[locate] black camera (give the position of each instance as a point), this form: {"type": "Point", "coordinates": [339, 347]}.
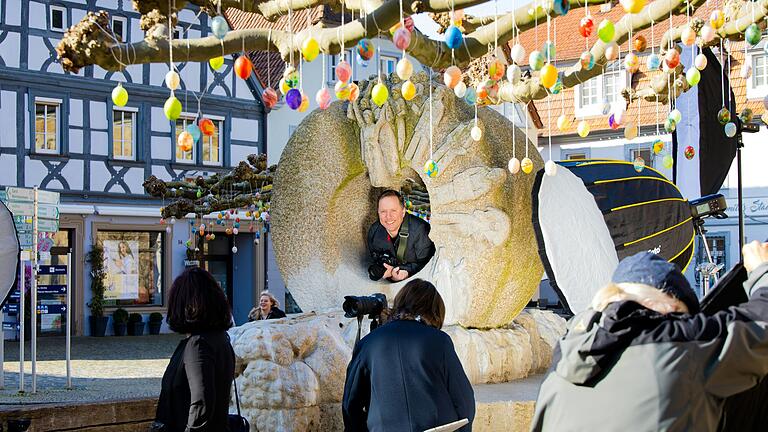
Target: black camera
{"type": "Point", "coordinates": [376, 270]}
{"type": "Point", "coordinates": [359, 306]}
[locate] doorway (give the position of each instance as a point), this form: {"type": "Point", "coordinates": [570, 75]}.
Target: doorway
{"type": "Point", "coordinates": [217, 259]}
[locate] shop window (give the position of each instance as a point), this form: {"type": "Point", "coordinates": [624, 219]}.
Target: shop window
{"type": "Point", "coordinates": [133, 262]}
{"type": "Point", "coordinates": [124, 135]}
{"type": "Point", "coordinates": [47, 127]}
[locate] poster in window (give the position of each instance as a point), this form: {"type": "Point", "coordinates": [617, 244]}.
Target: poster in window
{"type": "Point", "coordinates": [122, 266]}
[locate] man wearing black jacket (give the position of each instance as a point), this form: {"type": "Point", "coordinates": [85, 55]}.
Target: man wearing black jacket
{"type": "Point", "coordinates": [398, 244]}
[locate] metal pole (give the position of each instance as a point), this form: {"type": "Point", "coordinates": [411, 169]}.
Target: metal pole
{"type": "Point", "coordinates": [33, 306]}
{"type": "Point", "coordinates": [22, 301]}
{"type": "Point", "coordinates": [69, 324]}
{"type": "Point", "coordinates": [740, 195]}
{"type": "Point", "coordinates": [2, 351]}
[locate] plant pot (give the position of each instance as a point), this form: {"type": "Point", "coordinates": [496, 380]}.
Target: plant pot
{"type": "Point", "coordinates": [136, 328]}
{"type": "Point", "coordinates": [120, 328]}
{"type": "Point", "coordinates": [98, 325]}
{"type": "Point", "coordinates": [154, 327]}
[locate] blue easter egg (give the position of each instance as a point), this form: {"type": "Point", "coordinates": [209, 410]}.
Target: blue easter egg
{"type": "Point", "coordinates": [219, 26]}
{"type": "Point", "coordinates": [471, 96]}
{"type": "Point", "coordinates": [293, 98]}
{"type": "Point", "coordinates": [453, 37]}
{"type": "Point", "coordinates": [561, 7]}
{"type": "Point", "coordinates": [653, 62]}
{"type": "Point", "coordinates": [194, 131]}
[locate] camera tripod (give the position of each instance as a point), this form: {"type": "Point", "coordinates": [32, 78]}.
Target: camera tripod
{"type": "Point", "coordinates": [708, 270]}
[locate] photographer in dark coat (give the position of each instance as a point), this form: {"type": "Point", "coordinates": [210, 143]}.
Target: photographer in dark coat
{"type": "Point", "coordinates": [405, 375]}
{"type": "Point", "coordinates": [398, 244]}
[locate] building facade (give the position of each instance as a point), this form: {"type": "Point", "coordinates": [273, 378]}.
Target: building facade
{"type": "Point", "coordinates": [61, 132]}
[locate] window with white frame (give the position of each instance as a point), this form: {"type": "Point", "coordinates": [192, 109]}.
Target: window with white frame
{"type": "Point", "coordinates": [181, 155]}
{"type": "Point", "coordinates": [388, 64]}
{"type": "Point", "coordinates": [613, 84]}
{"type": "Point", "coordinates": [333, 61]}
{"type": "Point", "coordinates": [47, 127]}
{"type": "Point", "coordinates": [212, 146]}
{"type": "Point", "coordinates": [591, 94]}
{"type": "Point", "coordinates": [575, 155]}
{"type": "Point", "coordinates": [120, 28]}
{"type": "Point", "coordinates": [759, 70]}
{"type": "Point", "coordinates": [57, 18]}
{"type": "Point", "coordinates": [177, 32]}
{"type": "Point", "coordinates": [124, 134]}
{"type": "Point", "coordinates": [588, 93]}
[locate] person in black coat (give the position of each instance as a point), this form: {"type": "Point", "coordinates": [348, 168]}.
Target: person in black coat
{"type": "Point", "coordinates": [197, 383]}
{"type": "Point", "coordinates": [405, 375]}
{"type": "Point", "coordinates": [386, 234]}
{"type": "Point", "coordinates": [269, 308]}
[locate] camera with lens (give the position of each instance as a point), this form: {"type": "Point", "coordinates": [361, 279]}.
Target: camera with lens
{"type": "Point", "coordinates": [376, 270]}
{"type": "Point", "coordinates": [360, 306]}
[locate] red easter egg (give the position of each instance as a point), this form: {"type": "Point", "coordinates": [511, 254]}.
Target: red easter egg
{"type": "Point", "coordinates": [586, 26]}
{"type": "Point", "coordinates": [243, 67]}
{"type": "Point", "coordinates": [206, 126]}
{"type": "Point", "coordinates": [269, 97]}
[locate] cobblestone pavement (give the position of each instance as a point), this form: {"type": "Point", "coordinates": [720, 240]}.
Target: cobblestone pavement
{"type": "Point", "coordinates": [102, 369]}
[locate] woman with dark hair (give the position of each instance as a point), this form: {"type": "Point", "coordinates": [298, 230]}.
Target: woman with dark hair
{"type": "Point", "coordinates": [197, 383]}
{"type": "Point", "coordinates": [405, 375]}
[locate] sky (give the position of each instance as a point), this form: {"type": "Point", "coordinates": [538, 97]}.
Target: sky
{"type": "Point", "coordinates": [424, 23]}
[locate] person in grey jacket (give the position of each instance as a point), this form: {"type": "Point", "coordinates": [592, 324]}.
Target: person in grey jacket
{"type": "Point", "coordinates": [643, 359]}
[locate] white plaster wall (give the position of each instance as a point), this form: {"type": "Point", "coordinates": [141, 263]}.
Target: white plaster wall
{"type": "Point", "coordinates": [160, 148]}
{"type": "Point", "coordinates": [159, 122]}
{"type": "Point", "coordinates": [9, 48]}
{"type": "Point", "coordinates": [238, 153]}
{"type": "Point", "coordinates": [12, 14]}
{"type": "Point", "coordinates": [245, 129]}
{"type": "Point", "coordinates": [191, 77]}
{"type": "Point", "coordinates": [8, 173]}
{"type": "Point", "coordinates": [99, 176]}
{"type": "Point", "coordinates": [8, 119]}
{"type": "Point", "coordinates": [134, 178]}
{"type": "Point", "coordinates": [73, 172]}
{"type": "Point", "coordinates": [99, 143]}
{"type": "Point", "coordinates": [754, 157]}
{"type": "Point", "coordinates": [38, 54]}
{"type": "Point", "coordinates": [34, 172]}
{"type": "Point", "coordinates": [75, 140]}
{"type": "Point", "coordinates": [75, 112]}
{"type": "Point", "coordinates": [37, 13]}
{"type": "Point", "coordinates": [110, 4]}
{"type": "Point", "coordinates": [241, 90]}
{"type": "Point", "coordinates": [98, 115]}
{"type": "Point", "coordinates": [161, 173]}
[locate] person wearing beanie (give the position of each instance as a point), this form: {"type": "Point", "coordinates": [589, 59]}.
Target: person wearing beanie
{"type": "Point", "coordinates": [643, 358]}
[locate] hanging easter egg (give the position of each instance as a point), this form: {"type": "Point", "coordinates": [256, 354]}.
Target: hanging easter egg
{"type": "Point", "coordinates": [619, 115]}
{"type": "Point", "coordinates": [310, 49]}
{"type": "Point", "coordinates": [587, 60]}
{"type": "Point", "coordinates": [219, 27]}
{"type": "Point", "coordinates": [526, 165]}
{"type": "Point", "coordinates": [379, 94]}
{"type": "Point", "coordinates": [612, 123]}
{"type": "Point", "coordinates": [284, 87]}
{"type": "Point", "coordinates": [293, 98]}
{"type": "Point", "coordinates": [676, 115]}
{"type": "Point", "coordinates": [631, 62]}
{"type": "Point", "coordinates": [690, 152]}
{"type": "Point", "coordinates": [408, 90]}
{"type": "Point", "coordinates": [606, 30]}
{"type": "Point", "coordinates": [452, 76]}
{"type": "Point", "coordinates": [658, 146]}
{"type": "Point", "coordinates": [431, 169]}
{"type": "Point", "coordinates": [487, 90]}
{"type": "Point", "coordinates": [206, 126]}
{"type": "Point", "coordinates": [612, 51]}
{"type": "Point", "coordinates": [453, 37]}
{"type": "Point", "coordinates": [717, 19]}
{"type": "Point", "coordinates": [172, 80]}
{"type": "Point", "coordinates": [119, 95]}
{"type": "Point", "coordinates": [323, 98]}
{"type": "Point", "coordinates": [586, 26]}
{"type": "Point", "coordinates": [216, 62]}
{"type": "Point", "coordinates": [550, 168]}
{"type": "Point", "coordinates": [693, 76]}
{"type": "Point", "coordinates": [583, 129]}
{"type": "Point", "coordinates": [269, 97]}
{"type": "Point", "coordinates": [291, 76]}
{"type": "Point", "coordinates": [343, 71]}
{"type": "Point", "coordinates": [185, 141]}
{"type": "Point", "coordinates": [514, 165]}
{"type": "Point", "coordinates": [653, 62]}
{"type": "Point", "coordinates": [668, 161]}
{"type": "Point", "coordinates": [548, 51]}
{"type": "Point", "coordinates": [194, 130]}
{"type": "Point", "coordinates": [536, 60]}
{"type": "Point", "coordinates": [364, 49]}
{"type": "Point", "coordinates": [558, 87]}
{"type": "Point", "coordinates": [638, 164]}
{"type": "Point", "coordinates": [402, 38]}
{"type": "Point", "coordinates": [243, 67]}
{"type": "Point", "coordinates": [670, 125]}
{"type": "Point", "coordinates": [707, 33]}
{"type": "Point", "coordinates": [460, 90]}
{"type": "Point", "coordinates": [172, 108]}
{"type": "Point", "coordinates": [640, 43]}
{"type": "Point", "coordinates": [496, 69]}
{"type": "Point", "coordinates": [341, 89]}
{"type": "Point", "coordinates": [354, 92]}
{"type": "Point", "coordinates": [688, 36]}
{"type": "Point", "coordinates": [752, 34]}
{"type": "Point", "coordinates": [476, 133]}
{"type": "Point", "coordinates": [561, 7]}
{"type": "Point", "coordinates": [672, 58]}
{"type": "Point", "coordinates": [563, 122]}
{"type": "Point", "coordinates": [304, 103]}
{"type": "Point", "coordinates": [507, 92]}
{"type": "Point", "coordinates": [723, 116]}
{"type": "Point", "coordinates": [404, 69]}
{"type": "Point", "coordinates": [730, 129]}
{"type": "Point", "coordinates": [630, 131]}
{"type": "Point", "coordinates": [514, 73]}
{"type": "Point", "coordinates": [632, 6]}
{"type": "Point", "coordinates": [548, 75]}
{"type": "Point", "coordinates": [517, 53]}
{"type": "Point", "coordinates": [700, 62]}
{"type": "Point", "coordinates": [470, 96]}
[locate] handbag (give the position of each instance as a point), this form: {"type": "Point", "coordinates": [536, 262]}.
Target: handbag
{"type": "Point", "coordinates": [237, 423]}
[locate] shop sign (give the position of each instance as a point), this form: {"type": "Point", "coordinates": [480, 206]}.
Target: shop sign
{"type": "Point", "coordinates": [44, 211]}
{"type": "Point", "coordinates": [51, 289]}
{"type": "Point", "coordinates": [191, 263]}
{"type": "Point", "coordinates": [754, 206]}
{"type": "Point", "coordinates": [51, 308]}
{"type": "Point", "coordinates": [28, 195]}
{"type": "Point", "coordinates": [24, 224]}
{"type": "Point", "coordinates": [45, 270]}
{"type": "Point", "coordinates": [11, 326]}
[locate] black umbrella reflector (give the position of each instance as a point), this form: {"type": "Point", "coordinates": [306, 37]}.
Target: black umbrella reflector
{"type": "Point", "coordinates": [9, 253]}
{"type": "Point", "coordinates": [594, 213]}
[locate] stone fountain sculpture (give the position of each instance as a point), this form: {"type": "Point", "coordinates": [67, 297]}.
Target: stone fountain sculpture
{"type": "Point", "coordinates": [486, 266]}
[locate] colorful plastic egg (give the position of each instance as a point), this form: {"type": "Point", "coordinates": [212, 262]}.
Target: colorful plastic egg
{"type": "Point", "coordinates": [206, 126]}
{"type": "Point", "coordinates": [431, 169]}
{"type": "Point", "coordinates": [476, 133]}
{"type": "Point", "coordinates": [185, 141]}
{"type": "Point", "coordinates": [670, 125]}
{"type": "Point", "coordinates": [343, 71]}
{"type": "Point", "coordinates": [653, 62]}
{"type": "Point", "coordinates": [354, 92]}
{"type": "Point", "coordinates": [717, 19]}
{"type": "Point", "coordinates": [293, 98]}
{"type": "Point", "coordinates": [548, 75]}
{"type": "Point", "coordinates": [631, 62]}
{"type": "Point", "coordinates": [284, 87]}
{"type": "Point", "coordinates": [379, 94]}
{"type": "Point", "coordinates": [536, 60]}
{"type": "Point", "coordinates": [730, 129]}
{"type": "Point", "coordinates": [675, 115]}
{"type": "Point", "coordinates": [341, 89]}
{"type": "Point", "coordinates": [193, 130]}
{"type": "Point", "coordinates": [408, 90]}
{"type": "Point", "coordinates": [460, 90]}
{"type": "Point", "coordinates": [690, 152]}
{"type": "Point", "coordinates": [452, 76]}
{"type": "Point", "coordinates": [612, 123]}
{"type": "Point", "coordinates": [453, 37]}
{"type": "Point", "coordinates": [243, 67]}
{"type": "Point", "coordinates": [269, 97]}
{"type": "Point", "coordinates": [557, 88]}
{"type": "Point", "coordinates": [172, 108]}
{"type": "Point", "coordinates": [219, 27]}
{"type": "Point", "coordinates": [630, 131]}
{"type": "Point", "coordinates": [583, 129]}
{"type": "Point", "coordinates": [514, 73]}
{"type": "Point", "coordinates": [216, 62]}
{"type": "Point", "coordinates": [470, 96]}
{"type": "Point", "coordinates": [658, 146]}
{"type": "Point", "coordinates": [693, 76]}
{"type": "Point", "coordinates": [526, 165]}
{"type": "Point", "coordinates": [550, 168]}
{"type": "Point", "coordinates": [707, 33]}
{"type": "Point", "coordinates": [514, 165]}
{"type": "Point", "coordinates": [753, 34]}
{"type": "Point", "coordinates": [586, 26]}
{"type": "Point", "coordinates": [310, 49]}
{"type": "Point", "coordinates": [619, 115]}
{"type": "Point", "coordinates": [700, 62]}
{"type": "Point", "coordinates": [612, 51]}
{"type": "Point", "coordinates": [672, 58]}
{"type": "Point", "coordinates": [587, 60]}
{"type": "Point", "coordinates": [323, 98]}
{"type": "Point", "coordinates": [688, 36]}
{"type": "Point", "coordinates": [172, 80]}
{"type": "Point", "coordinates": [119, 95]}
{"type": "Point", "coordinates": [404, 69]}
{"type": "Point", "coordinates": [548, 50]}
{"type": "Point", "coordinates": [638, 164]}
{"type": "Point", "coordinates": [304, 103]}
{"type": "Point", "coordinates": [402, 38]}
{"type": "Point", "coordinates": [606, 30]}
{"type": "Point", "coordinates": [640, 43]}
{"type": "Point", "coordinates": [496, 69]}
{"type": "Point", "coordinates": [365, 50]}
{"type": "Point", "coordinates": [489, 90]}
{"type": "Point", "coordinates": [563, 122]}
{"type": "Point", "coordinates": [723, 116]}
{"type": "Point", "coordinates": [561, 7]}
{"type": "Point", "coordinates": [517, 53]}
{"type": "Point", "coordinates": [632, 6]}
{"type": "Point", "coordinates": [667, 161]}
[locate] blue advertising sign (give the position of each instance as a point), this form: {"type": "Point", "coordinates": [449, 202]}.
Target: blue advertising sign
{"type": "Point", "coordinates": [45, 270]}
{"type": "Point", "coordinates": [52, 308]}
{"type": "Point", "coordinates": [51, 289]}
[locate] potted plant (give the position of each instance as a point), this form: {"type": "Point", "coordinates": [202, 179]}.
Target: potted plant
{"type": "Point", "coordinates": [135, 324]}
{"type": "Point", "coordinates": [97, 320]}
{"type": "Point", "coordinates": [155, 322]}
{"type": "Point", "coordinates": [120, 321]}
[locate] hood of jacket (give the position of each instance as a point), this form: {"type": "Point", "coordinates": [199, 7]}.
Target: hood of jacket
{"type": "Point", "coordinates": [595, 340]}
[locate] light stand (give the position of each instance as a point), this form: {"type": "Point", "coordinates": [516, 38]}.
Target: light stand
{"type": "Point", "coordinates": [743, 128]}
{"type": "Point", "coordinates": [707, 206]}
{"type": "Point", "coordinates": [709, 269]}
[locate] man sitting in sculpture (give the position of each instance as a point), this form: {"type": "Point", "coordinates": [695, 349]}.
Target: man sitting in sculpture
{"type": "Point", "coordinates": [398, 244]}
